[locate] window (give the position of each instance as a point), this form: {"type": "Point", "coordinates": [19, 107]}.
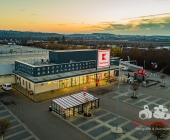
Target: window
{"type": "Point", "coordinates": [23, 82]}
{"type": "Point", "coordinates": [8, 85]}
{"type": "Point", "coordinates": [29, 85]}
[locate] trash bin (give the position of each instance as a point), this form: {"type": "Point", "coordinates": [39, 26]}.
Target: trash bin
{"type": "Point", "coordinates": [50, 108]}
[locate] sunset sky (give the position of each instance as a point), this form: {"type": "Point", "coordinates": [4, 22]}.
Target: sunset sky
{"type": "Point", "coordinates": [142, 17]}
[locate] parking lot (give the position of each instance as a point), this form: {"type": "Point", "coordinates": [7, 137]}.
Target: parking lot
{"type": "Point", "coordinates": [47, 125]}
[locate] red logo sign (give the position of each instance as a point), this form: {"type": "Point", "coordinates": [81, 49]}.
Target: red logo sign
{"type": "Point", "coordinates": [103, 56]}
{"type": "Point", "coordinates": [141, 71]}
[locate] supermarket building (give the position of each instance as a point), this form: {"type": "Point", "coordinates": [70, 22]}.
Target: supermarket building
{"type": "Point", "coordinates": [62, 71]}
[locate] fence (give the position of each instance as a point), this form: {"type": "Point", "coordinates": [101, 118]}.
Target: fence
{"type": "Point", "coordinates": [5, 53]}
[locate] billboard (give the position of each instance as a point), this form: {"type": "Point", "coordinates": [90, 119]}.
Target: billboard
{"type": "Point", "coordinates": [103, 58]}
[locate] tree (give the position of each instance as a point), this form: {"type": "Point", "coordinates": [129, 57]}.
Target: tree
{"type": "Point", "coordinates": [116, 51]}
{"type": "Point", "coordinates": [158, 129]}
{"type": "Point", "coordinates": [134, 87]}
{"type": "Point", "coordinates": [163, 80]}
{"type": "Point", "coordinates": [5, 125]}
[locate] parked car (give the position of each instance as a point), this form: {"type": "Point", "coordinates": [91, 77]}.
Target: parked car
{"type": "Point", "coordinates": [7, 86]}
{"type": "Point", "coordinates": [124, 67]}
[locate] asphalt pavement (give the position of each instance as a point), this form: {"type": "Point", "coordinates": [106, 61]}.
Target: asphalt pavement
{"type": "Point", "coordinates": [46, 125]}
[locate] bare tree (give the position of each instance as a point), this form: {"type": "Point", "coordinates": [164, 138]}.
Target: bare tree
{"type": "Point", "coordinates": [5, 125]}
{"type": "Point", "coordinates": [159, 130]}
{"type": "Point", "coordinates": [134, 87]}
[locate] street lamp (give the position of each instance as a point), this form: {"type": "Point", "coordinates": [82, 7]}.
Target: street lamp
{"type": "Point", "coordinates": [117, 129]}
{"type": "Point", "coordinates": [129, 61]}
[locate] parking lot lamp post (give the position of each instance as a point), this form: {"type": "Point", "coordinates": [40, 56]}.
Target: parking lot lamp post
{"type": "Point", "coordinates": [118, 129]}
{"type": "Point", "coordinates": [129, 61]}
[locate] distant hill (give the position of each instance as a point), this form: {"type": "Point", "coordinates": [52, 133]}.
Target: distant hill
{"type": "Point", "coordinates": [6, 34]}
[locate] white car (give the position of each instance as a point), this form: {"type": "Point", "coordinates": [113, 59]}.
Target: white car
{"type": "Point", "coordinates": [124, 67]}
{"type": "Point", "coordinates": [7, 86]}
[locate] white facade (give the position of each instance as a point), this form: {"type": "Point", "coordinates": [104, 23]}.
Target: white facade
{"type": "Point", "coordinates": [48, 86]}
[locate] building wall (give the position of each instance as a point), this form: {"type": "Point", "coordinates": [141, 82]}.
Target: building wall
{"type": "Point", "coordinates": [44, 87]}
{"type": "Point", "coordinates": [7, 79]}
{"type": "Point", "coordinates": [25, 84]}
{"type": "Point", "coordinates": [6, 69]}
{"type": "Point", "coordinates": [65, 57]}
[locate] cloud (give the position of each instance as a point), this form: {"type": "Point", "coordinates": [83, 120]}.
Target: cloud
{"type": "Point", "coordinates": [34, 14]}
{"type": "Point", "coordinates": [22, 10]}
{"type": "Point", "coordinates": [150, 25]}
{"type": "Point", "coordinates": [148, 16]}
{"type": "Point", "coordinates": [61, 24]}
{"type": "Point", "coordinates": [32, 22]}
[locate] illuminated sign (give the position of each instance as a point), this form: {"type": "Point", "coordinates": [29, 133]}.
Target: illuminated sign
{"type": "Point", "coordinates": [55, 81]}
{"type": "Point", "coordinates": [103, 58]}
{"type": "Point", "coordinates": [49, 83]}
{"type": "Point", "coordinates": [141, 71]}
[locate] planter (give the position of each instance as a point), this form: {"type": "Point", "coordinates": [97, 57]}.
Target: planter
{"type": "Point", "coordinates": [133, 97]}
{"type": "Point", "coordinates": [87, 115]}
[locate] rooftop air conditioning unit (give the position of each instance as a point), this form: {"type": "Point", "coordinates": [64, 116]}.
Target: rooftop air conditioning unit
{"type": "Point", "coordinates": [71, 61]}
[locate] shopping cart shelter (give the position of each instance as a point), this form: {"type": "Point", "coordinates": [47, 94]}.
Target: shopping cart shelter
{"type": "Point", "coordinates": [74, 104]}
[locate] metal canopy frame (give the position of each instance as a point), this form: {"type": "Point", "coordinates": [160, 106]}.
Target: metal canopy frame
{"type": "Point", "coordinates": [71, 102]}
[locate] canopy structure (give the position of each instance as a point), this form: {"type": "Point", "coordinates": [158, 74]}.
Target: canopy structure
{"type": "Point", "coordinates": [74, 104]}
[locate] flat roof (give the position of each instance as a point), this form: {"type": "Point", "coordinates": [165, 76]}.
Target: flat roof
{"type": "Point", "coordinates": [75, 50]}
{"type": "Point", "coordinates": [15, 49]}
{"type": "Point", "coordinates": [23, 58]}
{"type": "Point", "coordinates": [46, 78]}
{"type": "Point", "coordinates": [73, 100]}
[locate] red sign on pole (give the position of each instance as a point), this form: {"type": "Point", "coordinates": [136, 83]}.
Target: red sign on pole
{"type": "Point", "coordinates": [85, 88]}
{"type": "Point", "coordinates": [141, 71]}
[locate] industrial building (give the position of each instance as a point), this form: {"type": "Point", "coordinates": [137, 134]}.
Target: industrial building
{"type": "Point", "coordinates": [10, 53]}
{"type": "Point", "coordinates": [44, 78]}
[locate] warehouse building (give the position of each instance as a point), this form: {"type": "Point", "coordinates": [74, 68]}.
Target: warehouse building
{"type": "Point", "coordinates": [10, 53]}
{"type": "Point", "coordinates": [50, 77]}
